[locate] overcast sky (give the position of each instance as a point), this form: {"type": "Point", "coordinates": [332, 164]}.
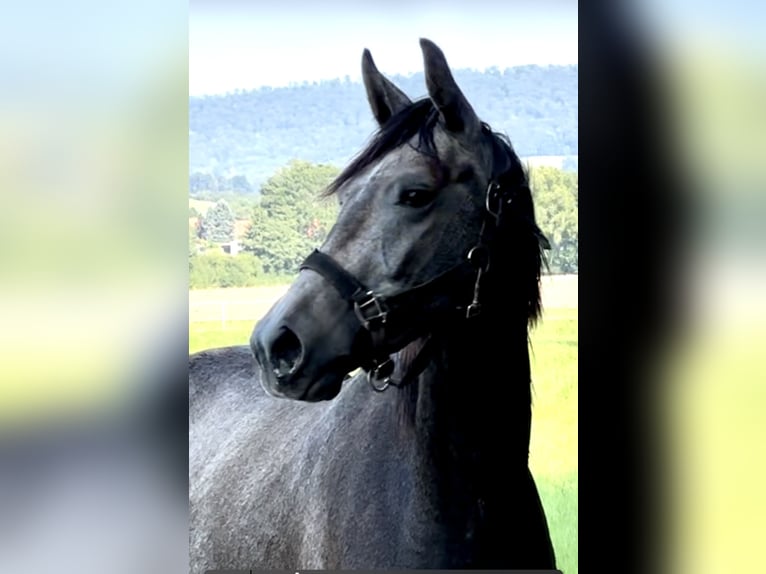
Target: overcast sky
{"type": "Point", "coordinates": [245, 45]}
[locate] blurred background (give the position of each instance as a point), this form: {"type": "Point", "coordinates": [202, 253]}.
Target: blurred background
{"type": "Point", "coordinates": [94, 282]}
{"type": "Point", "coordinates": [706, 370]}
{"type": "Point", "coordinates": [93, 276]}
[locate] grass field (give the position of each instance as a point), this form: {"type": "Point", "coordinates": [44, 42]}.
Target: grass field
{"type": "Point", "coordinates": [554, 444]}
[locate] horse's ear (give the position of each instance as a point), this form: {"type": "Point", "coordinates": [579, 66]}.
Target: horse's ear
{"type": "Point", "coordinates": [457, 113]}
{"type": "Point", "coordinates": [384, 97]}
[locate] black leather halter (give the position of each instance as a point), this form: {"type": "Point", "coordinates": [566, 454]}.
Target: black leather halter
{"type": "Point", "coordinates": [375, 312]}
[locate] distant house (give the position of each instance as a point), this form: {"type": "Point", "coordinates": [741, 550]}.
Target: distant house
{"type": "Point", "coordinates": [231, 248]}
{"type": "Point", "coordinates": [241, 227]}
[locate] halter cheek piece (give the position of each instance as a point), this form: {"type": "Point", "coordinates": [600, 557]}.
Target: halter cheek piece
{"type": "Point", "coordinates": [375, 312]}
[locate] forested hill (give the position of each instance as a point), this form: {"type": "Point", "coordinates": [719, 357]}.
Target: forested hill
{"type": "Point", "coordinates": [253, 133]}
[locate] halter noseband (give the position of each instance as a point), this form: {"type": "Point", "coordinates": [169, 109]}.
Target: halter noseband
{"type": "Point", "coordinates": [374, 311]}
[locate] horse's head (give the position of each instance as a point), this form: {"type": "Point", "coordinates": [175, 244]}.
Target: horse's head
{"type": "Point", "coordinates": [430, 187]}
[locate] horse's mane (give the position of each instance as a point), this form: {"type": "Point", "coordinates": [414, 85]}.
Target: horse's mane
{"type": "Point", "coordinates": [523, 242]}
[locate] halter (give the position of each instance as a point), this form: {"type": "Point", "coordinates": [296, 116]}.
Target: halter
{"type": "Point", "coordinates": [376, 312]}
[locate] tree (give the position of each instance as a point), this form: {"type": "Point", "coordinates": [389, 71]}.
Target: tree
{"type": "Point", "coordinates": [291, 218]}
{"type": "Point", "coordinates": [222, 183]}
{"type": "Point", "coordinates": [219, 270]}
{"type": "Point", "coordinates": [555, 196]}
{"type": "Point", "coordinates": [218, 223]}
{"type": "Point", "coordinates": [240, 184]}
{"type": "Point", "coordinates": [193, 238]}
{"type": "Point", "coordinates": [199, 182]}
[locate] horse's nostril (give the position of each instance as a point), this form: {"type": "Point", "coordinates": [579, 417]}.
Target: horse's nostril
{"type": "Point", "coordinates": [286, 353]}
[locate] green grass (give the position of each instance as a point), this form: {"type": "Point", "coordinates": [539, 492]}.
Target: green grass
{"type": "Point", "coordinates": [211, 334]}
{"type": "Point", "coordinates": [560, 502]}
{"type": "Point", "coordinates": [271, 280]}
{"type": "Point", "coordinates": [554, 442]}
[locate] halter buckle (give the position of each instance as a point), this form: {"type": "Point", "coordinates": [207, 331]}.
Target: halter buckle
{"type": "Point", "coordinates": [473, 310]}
{"type": "Point", "coordinates": [369, 309]}
{"type": "Point", "coordinates": [493, 199]}
{"type": "Point", "coordinates": [478, 257]}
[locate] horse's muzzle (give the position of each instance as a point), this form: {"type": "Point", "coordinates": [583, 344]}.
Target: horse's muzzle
{"type": "Point", "coordinates": [280, 353]}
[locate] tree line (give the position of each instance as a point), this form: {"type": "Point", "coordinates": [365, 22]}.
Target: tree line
{"type": "Point", "coordinates": [290, 218]}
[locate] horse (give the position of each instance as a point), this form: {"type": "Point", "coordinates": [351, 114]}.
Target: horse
{"type": "Point", "coordinates": [425, 290]}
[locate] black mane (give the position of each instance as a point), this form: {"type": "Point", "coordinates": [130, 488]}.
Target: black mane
{"type": "Point", "coordinates": [523, 241]}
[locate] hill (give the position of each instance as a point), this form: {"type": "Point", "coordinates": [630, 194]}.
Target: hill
{"type": "Point", "coordinates": [253, 133]}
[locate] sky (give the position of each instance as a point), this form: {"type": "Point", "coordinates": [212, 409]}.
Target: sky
{"type": "Point", "coordinates": [246, 45]}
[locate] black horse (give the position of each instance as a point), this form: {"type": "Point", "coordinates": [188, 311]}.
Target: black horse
{"type": "Point", "coordinates": [428, 283]}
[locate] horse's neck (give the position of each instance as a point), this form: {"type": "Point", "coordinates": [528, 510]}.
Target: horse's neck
{"type": "Point", "coordinates": [476, 392]}
{"type": "Point", "coordinates": [472, 409]}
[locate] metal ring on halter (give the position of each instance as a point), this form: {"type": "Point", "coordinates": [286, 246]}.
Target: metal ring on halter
{"type": "Point", "coordinates": [383, 387]}
{"type": "Point", "coordinates": [478, 256]}
{"type": "Point", "coordinates": [383, 372]}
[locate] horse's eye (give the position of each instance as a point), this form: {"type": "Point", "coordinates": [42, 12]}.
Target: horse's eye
{"type": "Point", "coordinates": [416, 197]}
